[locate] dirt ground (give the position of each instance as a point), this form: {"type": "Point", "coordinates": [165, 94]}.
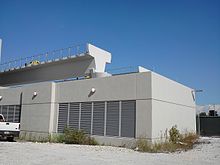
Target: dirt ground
{"type": "Point", "coordinates": [25, 153]}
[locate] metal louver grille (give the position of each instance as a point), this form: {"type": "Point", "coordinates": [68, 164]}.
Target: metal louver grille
{"type": "Point", "coordinates": [85, 122]}
{"type": "Point", "coordinates": [128, 118]}
{"type": "Point", "coordinates": [98, 118]}
{"type": "Point", "coordinates": [74, 116]}
{"type": "Point", "coordinates": [111, 118]}
{"type": "Point", "coordinates": [4, 112]}
{"type": "Point", "coordinates": [17, 113]}
{"type": "Point", "coordinates": [11, 113]}
{"type": "Point", "coordinates": [112, 123]}
{"type": "Point", "coordinates": [63, 116]}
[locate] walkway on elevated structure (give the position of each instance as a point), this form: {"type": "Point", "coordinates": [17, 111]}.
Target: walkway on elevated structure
{"type": "Point", "coordinates": [55, 65]}
{"type": "Point", "coordinates": [47, 57]}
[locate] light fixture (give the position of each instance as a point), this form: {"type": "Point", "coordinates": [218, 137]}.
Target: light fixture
{"type": "Point", "coordinates": [1, 98]}
{"type": "Point", "coordinates": [93, 90]}
{"type": "Point", "coordinates": [35, 94]}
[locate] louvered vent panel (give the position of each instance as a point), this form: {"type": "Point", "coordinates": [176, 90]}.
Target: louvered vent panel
{"type": "Point", "coordinates": [4, 112]}
{"type": "Point", "coordinates": [128, 118]}
{"type": "Point", "coordinates": [11, 113]}
{"type": "Point", "coordinates": [17, 114]}
{"type": "Point", "coordinates": [85, 122]}
{"type": "Point", "coordinates": [63, 115]}
{"type": "Point", "coordinates": [112, 123]}
{"type": "Point", "coordinates": [74, 116]}
{"type": "Point", "coordinates": [98, 118]}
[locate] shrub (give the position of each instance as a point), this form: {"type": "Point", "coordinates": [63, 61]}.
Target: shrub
{"type": "Point", "coordinates": [174, 142]}
{"type": "Point", "coordinates": [189, 139]}
{"type": "Point", "coordinates": [146, 146]}
{"type": "Point", "coordinates": [143, 145]}
{"type": "Point", "coordinates": [57, 138]}
{"type": "Point", "coordinates": [174, 134]}
{"type": "Point", "coordinates": [72, 136]}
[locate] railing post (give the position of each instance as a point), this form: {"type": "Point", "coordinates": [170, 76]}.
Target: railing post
{"type": "Point", "coordinates": [77, 50]}
{"type": "Point", "coordinates": [64, 52]}
{"type": "Point", "coordinates": [26, 60]}
{"type": "Point", "coordinates": [53, 56]}
{"type": "Point", "coordinates": [46, 56]}
{"type": "Point", "coordinates": [61, 53]}
{"type": "Point", "coordinates": [39, 57]}
{"type": "Point", "coordinates": [69, 51]}
{"type": "Point", "coordinates": [20, 63]}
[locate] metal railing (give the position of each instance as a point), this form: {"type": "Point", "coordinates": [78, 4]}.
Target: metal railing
{"type": "Point", "coordinates": [113, 71]}
{"type": "Point", "coordinates": [122, 70]}
{"type": "Point", "coordinates": [50, 56]}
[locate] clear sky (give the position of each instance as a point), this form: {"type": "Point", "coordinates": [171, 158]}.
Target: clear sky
{"type": "Point", "coordinates": [178, 39]}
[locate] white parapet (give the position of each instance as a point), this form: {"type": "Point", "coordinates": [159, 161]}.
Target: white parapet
{"type": "Point", "coordinates": [142, 69]}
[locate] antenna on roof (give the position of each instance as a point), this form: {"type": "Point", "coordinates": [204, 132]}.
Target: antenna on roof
{"type": "Point", "coordinates": [0, 50]}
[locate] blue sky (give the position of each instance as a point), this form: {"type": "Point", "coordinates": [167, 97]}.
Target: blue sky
{"type": "Point", "coordinates": [178, 39]}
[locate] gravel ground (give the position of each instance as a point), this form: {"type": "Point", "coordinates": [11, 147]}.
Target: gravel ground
{"type": "Point", "coordinates": [25, 153]}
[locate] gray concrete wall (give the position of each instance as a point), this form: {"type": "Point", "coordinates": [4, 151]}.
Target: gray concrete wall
{"type": "Point", "coordinates": [160, 102]}
{"type": "Point", "coordinates": [39, 114]}
{"type": "Point", "coordinates": [10, 96]}
{"type": "Point", "coordinates": [143, 119]}
{"type": "Point", "coordinates": [116, 141]}
{"type": "Point", "coordinates": [120, 87]}
{"type": "Point", "coordinates": [136, 86]}
{"type": "Point", "coordinates": [172, 104]}
{"type": "Point", "coordinates": [34, 109]}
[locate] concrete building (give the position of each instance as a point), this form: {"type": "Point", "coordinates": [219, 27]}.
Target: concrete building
{"type": "Point", "coordinates": [115, 109]}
